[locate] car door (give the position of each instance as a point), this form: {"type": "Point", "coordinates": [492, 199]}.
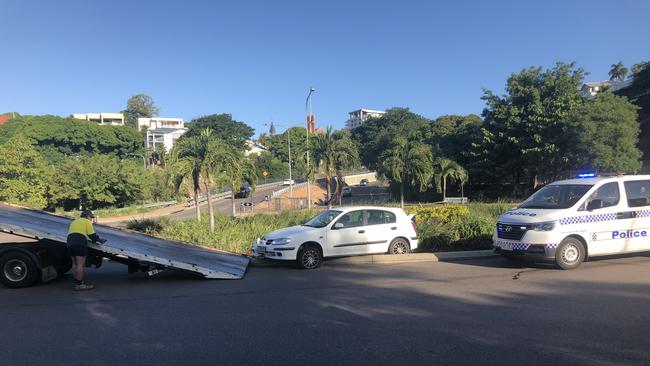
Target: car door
{"type": "Point", "coordinates": [381, 229]}
{"type": "Point", "coordinates": [602, 215]}
{"type": "Point", "coordinates": [637, 194]}
{"type": "Point", "coordinates": [347, 235]}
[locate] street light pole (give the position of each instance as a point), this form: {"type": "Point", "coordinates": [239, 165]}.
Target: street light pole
{"type": "Point", "coordinates": [290, 178]}
{"type": "Point", "coordinates": [308, 112]}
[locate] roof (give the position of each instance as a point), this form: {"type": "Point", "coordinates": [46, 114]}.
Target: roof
{"type": "Point", "coordinates": [367, 110]}
{"type": "Point", "coordinates": [598, 83]}
{"type": "Point", "coordinates": [166, 130]}
{"type": "Point", "coordinates": [592, 181]}
{"type": "Point", "coordinates": [4, 118]}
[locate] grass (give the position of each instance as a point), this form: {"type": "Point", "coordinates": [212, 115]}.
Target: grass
{"type": "Point", "coordinates": [440, 227]}
{"type": "Point", "coordinates": [111, 211]}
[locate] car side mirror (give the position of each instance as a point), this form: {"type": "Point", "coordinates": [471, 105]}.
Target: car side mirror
{"type": "Point", "coordinates": [338, 225]}
{"type": "Point", "coordinates": [594, 205]}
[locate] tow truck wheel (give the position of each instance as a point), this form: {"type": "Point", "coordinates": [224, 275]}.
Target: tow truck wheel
{"type": "Point", "coordinates": [64, 266]}
{"type": "Point", "coordinates": [18, 270]}
{"type": "Point", "coordinates": [569, 254]}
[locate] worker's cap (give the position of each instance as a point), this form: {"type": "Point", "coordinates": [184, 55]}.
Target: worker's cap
{"type": "Point", "coordinates": [87, 213]}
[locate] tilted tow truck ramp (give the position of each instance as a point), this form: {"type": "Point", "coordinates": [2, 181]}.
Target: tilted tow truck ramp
{"type": "Point", "coordinates": [135, 246]}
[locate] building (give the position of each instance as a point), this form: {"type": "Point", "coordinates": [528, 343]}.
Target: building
{"type": "Point", "coordinates": [358, 117]}
{"type": "Point", "coordinates": [590, 89]}
{"type": "Point", "coordinates": [115, 119]}
{"type": "Point", "coordinates": [160, 122]}
{"type": "Point", "coordinates": [157, 138]}
{"type": "Point", "coordinates": [253, 147]}
{"type": "Point", "coordinates": [4, 118]}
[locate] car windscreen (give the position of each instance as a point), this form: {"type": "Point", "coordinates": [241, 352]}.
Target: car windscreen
{"type": "Point", "coordinates": [556, 196]}
{"type": "Point", "coordinates": [323, 218]}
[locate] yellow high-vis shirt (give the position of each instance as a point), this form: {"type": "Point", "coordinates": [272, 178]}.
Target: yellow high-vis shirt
{"type": "Point", "coordinates": [81, 226]}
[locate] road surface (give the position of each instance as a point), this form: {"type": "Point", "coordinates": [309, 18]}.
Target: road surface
{"type": "Point", "coordinates": [486, 311]}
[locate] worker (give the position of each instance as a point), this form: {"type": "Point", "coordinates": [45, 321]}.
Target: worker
{"type": "Point", "coordinates": [81, 231]}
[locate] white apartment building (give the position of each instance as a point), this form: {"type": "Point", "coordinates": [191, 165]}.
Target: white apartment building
{"type": "Point", "coordinates": [253, 147]}
{"type": "Point", "coordinates": [158, 138]}
{"type": "Point", "coordinates": [115, 119]}
{"type": "Point", "coordinates": [358, 117]}
{"type": "Point", "coordinates": [160, 122]}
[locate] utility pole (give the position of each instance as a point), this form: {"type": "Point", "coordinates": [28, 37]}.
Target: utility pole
{"type": "Point", "coordinates": [309, 115]}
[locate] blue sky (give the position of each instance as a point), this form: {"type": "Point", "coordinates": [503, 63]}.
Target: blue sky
{"type": "Point", "coordinates": [257, 59]}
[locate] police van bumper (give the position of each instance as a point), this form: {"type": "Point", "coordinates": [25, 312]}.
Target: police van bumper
{"type": "Point", "coordinates": [533, 251]}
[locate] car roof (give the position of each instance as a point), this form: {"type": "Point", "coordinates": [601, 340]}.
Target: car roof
{"type": "Point", "coordinates": [355, 208]}
{"type": "Point", "coordinates": [595, 180]}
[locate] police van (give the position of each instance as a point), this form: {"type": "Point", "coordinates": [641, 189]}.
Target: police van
{"type": "Point", "coordinates": [570, 220]}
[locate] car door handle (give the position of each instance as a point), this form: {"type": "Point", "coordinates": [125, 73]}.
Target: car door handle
{"type": "Point", "coordinates": [394, 228]}
{"type": "Point", "coordinates": [361, 231]}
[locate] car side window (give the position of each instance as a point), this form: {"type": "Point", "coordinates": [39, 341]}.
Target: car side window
{"type": "Point", "coordinates": [638, 193]}
{"type": "Point", "coordinates": [351, 219]}
{"type": "Point", "coordinates": [606, 196]}
{"type": "Point", "coordinates": [378, 217]}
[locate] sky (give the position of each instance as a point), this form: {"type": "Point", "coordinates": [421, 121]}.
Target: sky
{"type": "Point", "coordinates": [257, 60]}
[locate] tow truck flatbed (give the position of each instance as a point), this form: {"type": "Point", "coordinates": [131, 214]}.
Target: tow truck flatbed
{"type": "Point", "coordinates": [135, 249]}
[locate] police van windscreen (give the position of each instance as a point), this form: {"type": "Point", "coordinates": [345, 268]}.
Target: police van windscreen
{"type": "Point", "coordinates": [556, 196]}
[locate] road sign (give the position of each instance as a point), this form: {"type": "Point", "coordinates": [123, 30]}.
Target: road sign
{"type": "Point", "coordinates": [265, 173]}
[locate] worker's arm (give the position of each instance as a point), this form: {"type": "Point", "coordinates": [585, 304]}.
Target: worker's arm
{"type": "Point", "coordinates": [94, 237]}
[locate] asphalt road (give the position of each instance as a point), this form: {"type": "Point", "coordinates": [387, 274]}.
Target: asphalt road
{"type": "Point", "coordinates": [225, 205]}
{"type": "Point", "coordinates": [486, 311]}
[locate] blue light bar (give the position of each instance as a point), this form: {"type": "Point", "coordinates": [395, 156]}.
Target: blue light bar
{"type": "Point", "coordinates": [587, 175]}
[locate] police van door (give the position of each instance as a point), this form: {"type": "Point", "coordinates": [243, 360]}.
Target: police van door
{"type": "Point", "coordinates": [601, 216]}
{"type": "Point", "coordinates": [637, 193]}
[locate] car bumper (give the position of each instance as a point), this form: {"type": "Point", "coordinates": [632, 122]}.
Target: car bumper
{"type": "Point", "coordinates": [279, 252]}
{"type": "Point", "coordinates": [518, 249]}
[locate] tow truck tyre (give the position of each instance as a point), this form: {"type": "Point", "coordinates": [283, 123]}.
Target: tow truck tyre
{"type": "Point", "coordinates": [399, 246]}
{"type": "Point", "coordinates": [18, 270]}
{"type": "Point", "coordinates": [570, 253]}
{"type": "Point", "coordinates": [309, 257]}
{"type": "Point", "coordinates": [63, 266]}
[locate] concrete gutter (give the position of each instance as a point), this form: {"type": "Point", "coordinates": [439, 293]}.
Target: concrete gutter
{"type": "Point", "coordinates": [389, 258]}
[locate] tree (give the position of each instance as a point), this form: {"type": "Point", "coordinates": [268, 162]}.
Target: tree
{"type": "Point", "coordinates": [187, 161]}
{"type": "Point", "coordinates": [523, 134]}
{"type": "Point", "coordinates": [333, 153]}
{"type": "Point", "coordinates": [22, 173]}
{"type": "Point", "coordinates": [609, 132]}
{"type": "Point", "coordinates": [233, 132]}
{"type": "Point", "coordinates": [237, 169]}
{"type": "Point", "coordinates": [637, 68]}
{"type": "Point", "coordinates": [278, 146]}
{"type": "Point", "coordinates": [454, 136]}
{"type": "Point", "coordinates": [138, 106]}
{"type": "Point", "coordinates": [618, 71]}
{"type": "Point", "coordinates": [407, 161]}
{"type": "Point", "coordinates": [375, 134]}
{"type": "Point", "coordinates": [266, 162]}
{"type": "Point", "coordinates": [447, 168]}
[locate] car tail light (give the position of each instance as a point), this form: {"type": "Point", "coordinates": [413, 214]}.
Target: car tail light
{"type": "Point", "coordinates": [415, 226]}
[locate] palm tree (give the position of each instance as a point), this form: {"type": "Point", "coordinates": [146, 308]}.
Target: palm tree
{"type": "Point", "coordinates": [216, 153]}
{"type": "Point", "coordinates": [187, 162]}
{"type": "Point", "coordinates": [448, 168]}
{"type": "Point", "coordinates": [407, 162]}
{"type": "Point", "coordinates": [333, 153]}
{"type": "Point", "coordinates": [237, 169]}
{"type": "Point", "coordinates": [618, 71]}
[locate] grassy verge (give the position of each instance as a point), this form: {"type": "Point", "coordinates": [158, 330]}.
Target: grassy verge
{"type": "Point", "coordinates": [111, 212]}
{"type": "Point", "coordinates": [440, 227]}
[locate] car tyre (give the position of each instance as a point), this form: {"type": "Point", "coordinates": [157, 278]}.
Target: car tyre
{"type": "Point", "coordinates": [399, 246]}
{"type": "Point", "coordinates": [309, 257]}
{"type": "Point", "coordinates": [18, 270]}
{"type": "Point", "coordinates": [570, 254]}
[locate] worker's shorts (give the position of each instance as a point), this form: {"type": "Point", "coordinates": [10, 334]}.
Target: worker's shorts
{"type": "Point", "coordinates": [77, 245]}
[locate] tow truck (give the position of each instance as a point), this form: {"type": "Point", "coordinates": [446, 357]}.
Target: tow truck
{"type": "Point", "coordinates": [33, 249]}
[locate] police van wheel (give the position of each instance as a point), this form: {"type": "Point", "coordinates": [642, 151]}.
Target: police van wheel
{"type": "Point", "coordinates": [569, 254]}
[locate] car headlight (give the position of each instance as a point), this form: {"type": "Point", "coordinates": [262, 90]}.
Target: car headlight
{"type": "Point", "coordinates": [544, 226]}
{"type": "Point", "coordinates": [282, 241]}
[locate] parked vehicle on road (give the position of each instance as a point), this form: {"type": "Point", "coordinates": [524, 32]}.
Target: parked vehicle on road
{"type": "Point", "coordinates": [288, 182]}
{"type": "Point", "coordinates": [341, 232]}
{"type": "Point", "coordinates": [364, 182]}
{"type": "Point", "coordinates": [346, 191]}
{"type": "Point", "coordinates": [571, 220]}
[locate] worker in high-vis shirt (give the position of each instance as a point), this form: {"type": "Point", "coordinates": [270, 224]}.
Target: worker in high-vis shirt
{"type": "Point", "coordinates": [81, 231]}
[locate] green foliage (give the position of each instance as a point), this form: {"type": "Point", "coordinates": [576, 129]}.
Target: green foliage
{"type": "Point", "coordinates": [608, 134]}
{"type": "Point", "coordinates": [234, 133]}
{"type": "Point", "coordinates": [618, 71]}
{"type": "Point", "coordinates": [138, 106]}
{"type": "Point", "coordinates": [455, 136]}
{"type": "Point", "coordinates": [147, 226]}
{"type": "Point", "coordinates": [333, 153]}
{"type": "Point", "coordinates": [447, 169]}
{"type": "Point", "coordinates": [265, 161]}
{"type": "Point", "coordinates": [22, 173]}
{"type": "Point", "coordinates": [278, 146]}
{"type": "Point", "coordinates": [57, 137]}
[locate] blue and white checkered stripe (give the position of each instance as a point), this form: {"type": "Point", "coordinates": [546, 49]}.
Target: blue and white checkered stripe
{"type": "Point", "coordinates": [643, 213]}
{"type": "Point", "coordinates": [521, 246]}
{"type": "Point", "coordinates": [588, 218]}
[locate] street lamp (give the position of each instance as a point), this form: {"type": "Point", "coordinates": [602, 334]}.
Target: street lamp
{"type": "Point", "coordinates": [308, 112]}
{"type": "Point", "coordinates": [144, 162]}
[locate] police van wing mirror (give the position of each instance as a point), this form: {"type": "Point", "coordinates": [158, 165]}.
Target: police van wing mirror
{"type": "Point", "coordinates": [594, 205]}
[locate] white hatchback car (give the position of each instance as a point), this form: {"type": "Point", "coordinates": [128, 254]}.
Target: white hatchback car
{"type": "Point", "coordinates": [341, 232]}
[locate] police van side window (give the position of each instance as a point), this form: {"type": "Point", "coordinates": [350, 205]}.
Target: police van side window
{"type": "Point", "coordinates": [606, 196]}
{"type": "Point", "coordinates": [638, 193]}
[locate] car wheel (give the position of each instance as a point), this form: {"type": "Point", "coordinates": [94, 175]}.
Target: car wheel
{"type": "Point", "coordinates": [18, 270]}
{"type": "Point", "coordinates": [570, 254]}
{"type": "Point", "coordinates": [309, 257]}
{"type": "Point", "coordinates": [399, 246]}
